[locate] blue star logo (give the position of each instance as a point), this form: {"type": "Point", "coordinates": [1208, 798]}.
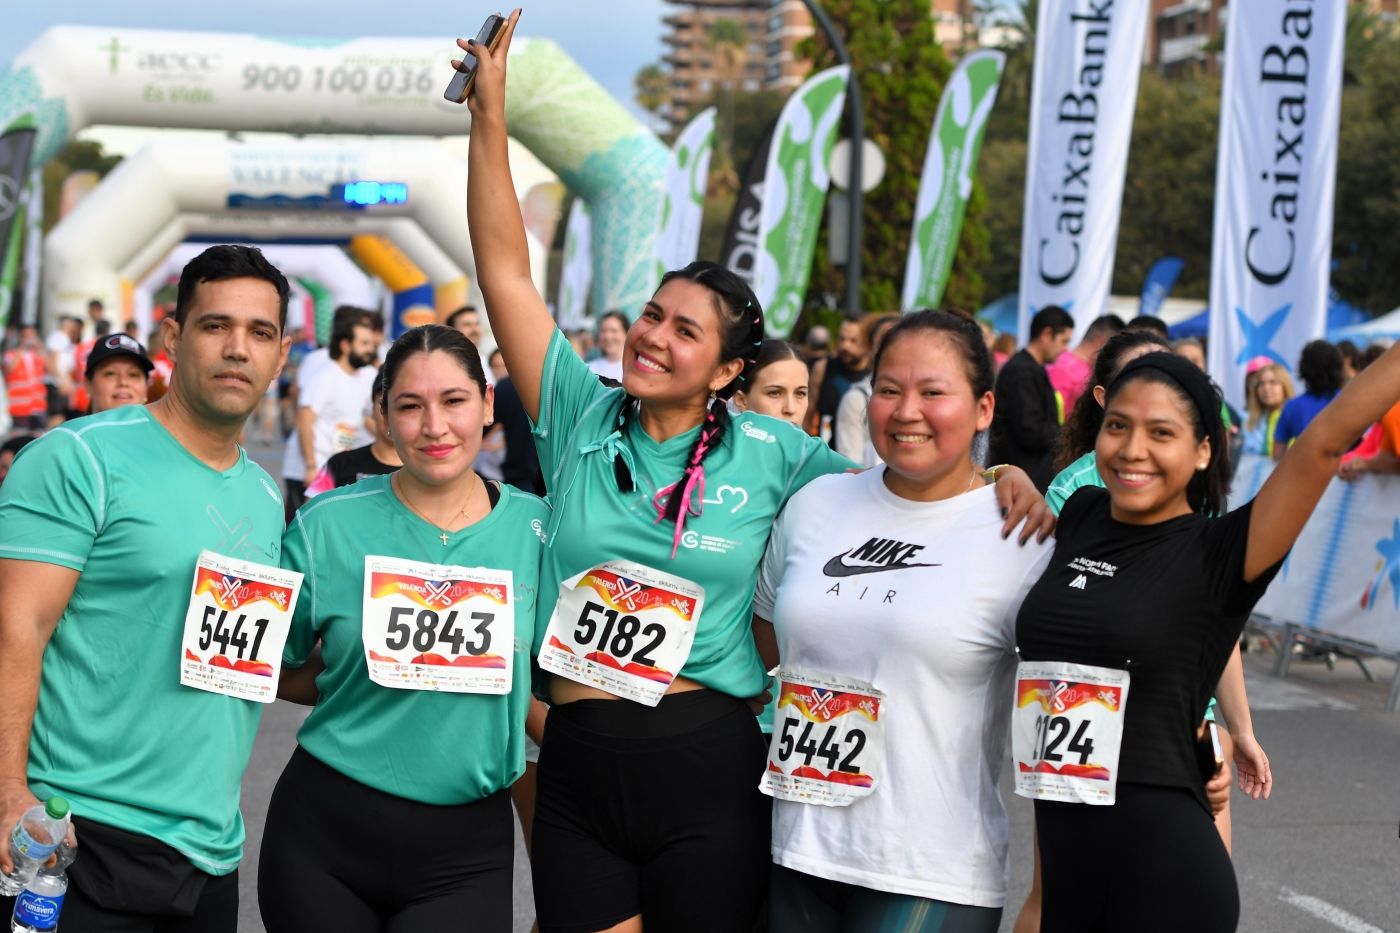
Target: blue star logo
{"type": "Point", "coordinates": [1389, 568]}
{"type": "Point", "coordinates": [1258, 336]}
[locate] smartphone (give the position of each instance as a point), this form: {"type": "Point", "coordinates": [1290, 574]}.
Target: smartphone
{"type": "Point", "coordinates": [1210, 757]}
{"type": "Point", "coordinates": [461, 84]}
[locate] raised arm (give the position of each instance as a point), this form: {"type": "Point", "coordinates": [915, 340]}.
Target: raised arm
{"type": "Point", "coordinates": [520, 320]}
{"type": "Point", "coordinates": [1292, 490]}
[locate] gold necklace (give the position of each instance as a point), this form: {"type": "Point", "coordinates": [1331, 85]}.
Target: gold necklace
{"type": "Point", "coordinates": [443, 535]}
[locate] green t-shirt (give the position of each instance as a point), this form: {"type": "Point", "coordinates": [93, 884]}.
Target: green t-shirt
{"type": "Point", "coordinates": [759, 464]}
{"type": "Point", "coordinates": [1082, 472]}
{"type": "Point", "coordinates": [117, 498]}
{"type": "Point", "coordinates": [436, 748]}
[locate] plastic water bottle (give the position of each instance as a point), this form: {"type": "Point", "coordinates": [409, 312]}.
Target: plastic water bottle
{"type": "Point", "coordinates": [36, 836]}
{"type": "Point", "coordinates": [39, 905]}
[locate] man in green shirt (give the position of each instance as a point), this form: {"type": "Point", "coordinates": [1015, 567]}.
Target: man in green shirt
{"type": "Point", "coordinates": [102, 522]}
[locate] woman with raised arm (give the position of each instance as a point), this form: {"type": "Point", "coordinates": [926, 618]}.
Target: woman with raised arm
{"type": "Point", "coordinates": [648, 806]}
{"type": "Point", "coordinates": [1129, 629]}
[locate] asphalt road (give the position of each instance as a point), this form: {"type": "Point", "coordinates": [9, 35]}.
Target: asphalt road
{"type": "Point", "coordinates": [1321, 855]}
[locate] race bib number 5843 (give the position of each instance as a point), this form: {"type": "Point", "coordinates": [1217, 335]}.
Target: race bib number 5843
{"type": "Point", "coordinates": [236, 624]}
{"type": "Point", "coordinates": [1067, 731]}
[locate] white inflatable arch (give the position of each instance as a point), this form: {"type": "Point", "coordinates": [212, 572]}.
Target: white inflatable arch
{"type": "Point", "coordinates": [72, 77]}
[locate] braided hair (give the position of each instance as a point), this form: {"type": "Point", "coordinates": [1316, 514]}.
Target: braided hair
{"type": "Point", "coordinates": [741, 336]}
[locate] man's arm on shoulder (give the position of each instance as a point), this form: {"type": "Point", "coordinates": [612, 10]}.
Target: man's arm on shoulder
{"type": "Point", "coordinates": [33, 596]}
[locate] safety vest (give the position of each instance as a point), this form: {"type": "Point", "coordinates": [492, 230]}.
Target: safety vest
{"type": "Point", "coordinates": [24, 381]}
{"type": "Point", "coordinates": [79, 399]}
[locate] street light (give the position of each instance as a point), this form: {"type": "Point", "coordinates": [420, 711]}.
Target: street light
{"type": "Point", "coordinates": [855, 112]}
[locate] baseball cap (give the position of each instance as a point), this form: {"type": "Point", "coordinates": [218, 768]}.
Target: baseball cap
{"type": "Point", "coordinates": [117, 345]}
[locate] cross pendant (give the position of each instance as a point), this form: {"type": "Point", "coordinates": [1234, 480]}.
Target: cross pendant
{"type": "Point", "coordinates": [444, 539]}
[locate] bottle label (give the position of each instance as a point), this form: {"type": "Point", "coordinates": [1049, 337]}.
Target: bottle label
{"type": "Point", "coordinates": [29, 847]}
{"type": "Point", "coordinates": [38, 912]}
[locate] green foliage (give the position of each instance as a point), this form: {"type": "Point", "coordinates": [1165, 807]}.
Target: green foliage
{"type": "Point", "coordinates": [652, 88]}
{"type": "Point", "coordinates": [77, 156]}
{"type": "Point", "coordinates": [902, 72]}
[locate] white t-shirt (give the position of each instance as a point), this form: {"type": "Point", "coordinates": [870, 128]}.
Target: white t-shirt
{"type": "Point", "coordinates": [59, 344]}
{"type": "Point", "coordinates": [339, 400]}
{"type": "Point", "coordinates": [932, 626]}
{"type": "Point", "coordinates": [293, 465]}
{"type": "Point", "coordinates": [606, 367]}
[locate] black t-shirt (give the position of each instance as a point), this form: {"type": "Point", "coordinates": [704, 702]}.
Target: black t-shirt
{"type": "Point", "coordinates": [1166, 602]}
{"type": "Point", "coordinates": [351, 466]}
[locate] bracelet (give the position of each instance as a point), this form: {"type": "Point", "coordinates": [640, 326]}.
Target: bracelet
{"type": "Point", "coordinates": [989, 475]}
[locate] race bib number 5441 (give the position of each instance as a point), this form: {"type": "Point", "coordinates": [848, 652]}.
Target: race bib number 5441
{"type": "Point", "coordinates": [623, 628]}
{"type": "Point", "coordinates": [434, 627]}
{"type": "Point", "coordinates": [236, 624]}
{"type": "Point", "coordinates": [1067, 731]}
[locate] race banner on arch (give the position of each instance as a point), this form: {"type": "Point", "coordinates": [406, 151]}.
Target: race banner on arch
{"type": "Point", "coordinates": [1271, 250]}
{"type": "Point", "coordinates": [1084, 88]}
{"type": "Point", "coordinates": [949, 165]}
{"type": "Point", "coordinates": [683, 204]}
{"type": "Point", "coordinates": [794, 193]}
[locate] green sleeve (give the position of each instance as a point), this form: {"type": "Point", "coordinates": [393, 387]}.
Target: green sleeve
{"type": "Point", "coordinates": [1056, 497]}
{"type": "Point", "coordinates": [568, 390]}
{"type": "Point", "coordinates": [814, 458]}
{"type": "Point", "coordinates": [297, 555]}
{"type": "Point", "coordinates": [53, 503]}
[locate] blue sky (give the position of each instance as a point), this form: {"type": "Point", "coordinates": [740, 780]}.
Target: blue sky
{"type": "Point", "coordinates": [611, 45]}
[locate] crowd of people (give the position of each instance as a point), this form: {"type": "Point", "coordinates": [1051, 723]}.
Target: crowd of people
{"type": "Point", "coordinates": [739, 629]}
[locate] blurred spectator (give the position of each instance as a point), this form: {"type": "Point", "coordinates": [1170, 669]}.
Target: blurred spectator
{"type": "Point", "coordinates": [97, 315]}
{"type": "Point", "coordinates": [1267, 386]}
{"type": "Point", "coordinates": [374, 459]}
{"type": "Point", "coordinates": [1351, 360]}
{"type": "Point", "coordinates": [1003, 346]}
{"type": "Point", "coordinates": [496, 362]}
{"type": "Point", "coordinates": [466, 320]}
{"type": "Point", "coordinates": [612, 335]}
{"type": "Point", "coordinates": [831, 379]}
{"type": "Point", "coordinates": [25, 369]}
{"type": "Point", "coordinates": [12, 446]}
{"type": "Point", "coordinates": [1070, 372]}
{"type": "Point", "coordinates": [1026, 424]}
{"type": "Point", "coordinates": [1320, 368]}
{"type": "Point", "coordinates": [60, 345]}
{"type": "Point", "coordinates": [78, 401]}
{"type": "Point", "coordinates": [852, 426]}
{"type": "Point", "coordinates": [1192, 349]}
{"type": "Point", "coordinates": [1148, 322]}
{"type": "Point", "coordinates": [816, 345]}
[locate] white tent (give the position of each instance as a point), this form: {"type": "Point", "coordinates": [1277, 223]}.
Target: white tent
{"type": "Point", "coordinates": [1385, 327]}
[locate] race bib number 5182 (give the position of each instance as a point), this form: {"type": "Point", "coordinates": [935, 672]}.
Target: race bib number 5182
{"type": "Point", "coordinates": [1067, 731]}
{"type": "Point", "coordinates": [236, 625]}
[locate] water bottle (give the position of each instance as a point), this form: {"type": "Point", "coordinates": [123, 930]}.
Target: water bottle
{"type": "Point", "coordinates": [36, 836]}
{"type": "Point", "coordinates": [39, 905]}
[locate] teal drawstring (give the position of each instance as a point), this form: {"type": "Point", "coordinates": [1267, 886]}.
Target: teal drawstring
{"type": "Point", "coordinates": [611, 447]}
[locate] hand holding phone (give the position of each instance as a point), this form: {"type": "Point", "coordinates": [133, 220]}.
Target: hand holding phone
{"type": "Point", "coordinates": [464, 76]}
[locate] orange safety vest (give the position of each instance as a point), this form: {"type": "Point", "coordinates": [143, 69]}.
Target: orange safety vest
{"type": "Point", "coordinates": [81, 352]}
{"type": "Point", "coordinates": [24, 381]}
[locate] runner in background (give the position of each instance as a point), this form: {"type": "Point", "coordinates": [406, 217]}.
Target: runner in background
{"type": "Point", "coordinates": [852, 430]}
{"type": "Point", "coordinates": [117, 373]}
{"type": "Point", "coordinates": [612, 334]}
{"type": "Point", "coordinates": [1151, 549]}
{"type": "Point", "coordinates": [78, 400]}
{"type": "Point", "coordinates": [1267, 387]}
{"type": "Point", "coordinates": [891, 729]}
{"type": "Point", "coordinates": [374, 459]}
{"type": "Point", "coordinates": [25, 373]}
{"type": "Point", "coordinates": [1069, 373]}
{"type": "Point", "coordinates": [430, 751]}
{"type": "Point", "coordinates": [60, 346]}
{"type": "Point", "coordinates": [662, 505]}
{"type": "Point", "coordinates": [778, 386]}
{"type": "Point", "coordinates": [837, 373]}
{"type": "Point", "coordinates": [109, 530]}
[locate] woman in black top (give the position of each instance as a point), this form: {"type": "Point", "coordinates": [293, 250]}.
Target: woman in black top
{"type": "Point", "coordinates": [1152, 594]}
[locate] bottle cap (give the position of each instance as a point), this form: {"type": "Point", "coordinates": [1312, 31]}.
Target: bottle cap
{"type": "Point", "coordinates": [56, 807]}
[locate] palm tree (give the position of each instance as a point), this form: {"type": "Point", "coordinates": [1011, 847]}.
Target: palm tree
{"type": "Point", "coordinates": [729, 41]}
{"type": "Point", "coordinates": [652, 89]}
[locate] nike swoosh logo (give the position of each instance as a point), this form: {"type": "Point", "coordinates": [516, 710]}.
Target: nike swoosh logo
{"type": "Point", "coordinates": [836, 567]}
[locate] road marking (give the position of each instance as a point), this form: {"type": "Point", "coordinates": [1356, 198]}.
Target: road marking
{"type": "Point", "coordinates": [1324, 911]}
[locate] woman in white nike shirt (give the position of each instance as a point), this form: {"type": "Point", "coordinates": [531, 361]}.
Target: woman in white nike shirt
{"type": "Point", "coordinates": [892, 598]}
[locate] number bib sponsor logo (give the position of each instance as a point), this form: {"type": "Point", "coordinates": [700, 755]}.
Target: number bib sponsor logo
{"type": "Point", "coordinates": [434, 627]}
{"type": "Point", "coordinates": [237, 622]}
{"type": "Point", "coordinates": [1067, 731]}
{"type": "Point", "coordinates": [828, 743]}
{"type": "Point", "coordinates": [623, 628]}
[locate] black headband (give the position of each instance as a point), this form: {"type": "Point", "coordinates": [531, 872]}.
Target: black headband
{"type": "Point", "coordinates": [1187, 377]}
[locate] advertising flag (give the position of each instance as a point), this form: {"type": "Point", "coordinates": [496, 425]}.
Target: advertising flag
{"type": "Point", "coordinates": [682, 208]}
{"type": "Point", "coordinates": [741, 233]}
{"type": "Point", "coordinates": [949, 165]}
{"type": "Point", "coordinates": [16, 145]}
{"type": "Point", "coordinates": [1158, 282]}
{"type": "Point", "coordinates": [1274, 179]}
{"type": "Point", "coordinates": [1084, 86]}
{"type": "Point", "coordinates": [794, 193]}
{"type": "Point", "coordinates": [577, 274]}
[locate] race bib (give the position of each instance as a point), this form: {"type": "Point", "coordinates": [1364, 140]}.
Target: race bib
{"type": "Point", "coordinates": [434, 627]}
{"type": "Point", "coordinates": [345, 437]}
{"type": "Point", "coordinates": [1067, 731]}
{"type": "Point", "coordinates": [828, 742]}
{"type": "Point", "coordinates": [623, 628]}
{"type": "Point", "coordinates": [237, 622]}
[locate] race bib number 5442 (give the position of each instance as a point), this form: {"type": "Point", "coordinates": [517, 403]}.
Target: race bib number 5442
{"type": "Point", "coordinates": [236, 624]}
{"type": "Point", "coordinates": [1067, 731]}
{"type": "Point", "coordinates": [828, 744]}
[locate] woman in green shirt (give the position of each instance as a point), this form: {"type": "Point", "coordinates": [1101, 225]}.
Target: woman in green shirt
{"type": "Point", "coordinates": [663, 502]}
{"type": "Point", "coordinates": [420, 589]}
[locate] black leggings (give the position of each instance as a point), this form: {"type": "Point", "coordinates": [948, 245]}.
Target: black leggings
{"type": "Point", "coordinates": [654, 812]}
{"type": "Point", "coordinates": [1152, 863]}
{"type": "Point", "coordinates": [342, 857]}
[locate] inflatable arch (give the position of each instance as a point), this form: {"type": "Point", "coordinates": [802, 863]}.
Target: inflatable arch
{"type": "Point", "coordinates": [122, 226]}
{"type": "Point", "coordinates": [72, 77]}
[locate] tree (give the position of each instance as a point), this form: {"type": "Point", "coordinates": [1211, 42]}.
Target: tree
{"type": "Point", "coordinates": [652, 89]}
{"type": "Point", "coordinates": [78, 155]}
{"type": "Point", "coordinates": [729, 41]}
{"type": "Point", "coordinates": [902, 72]}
